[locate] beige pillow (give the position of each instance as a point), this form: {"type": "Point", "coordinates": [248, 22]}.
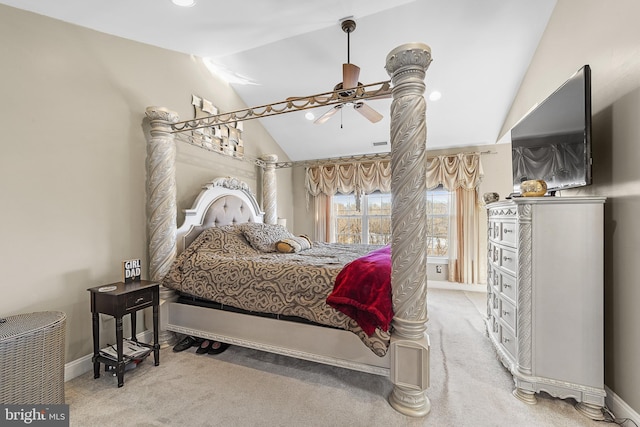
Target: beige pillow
{"type": "Point", "coordinates": [293, 244]}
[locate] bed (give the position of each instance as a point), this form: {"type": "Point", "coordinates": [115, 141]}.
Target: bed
{"type": "Point", "coordinates": [228, 201]}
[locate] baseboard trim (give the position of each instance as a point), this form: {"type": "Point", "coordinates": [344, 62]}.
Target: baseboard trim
{"type": "Point", "coordinates": [619, 407]}
{"type": "Point", "coordinates": [80, 366]}
{"type": "Point", "coordinates": [440, 284]}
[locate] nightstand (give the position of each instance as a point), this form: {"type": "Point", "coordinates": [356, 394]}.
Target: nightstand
{"type": "Point", "coordinates": [118, 299]}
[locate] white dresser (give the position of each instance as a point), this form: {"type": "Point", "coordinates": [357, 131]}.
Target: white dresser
{"type": "Point", "coordinates": [545, 296]}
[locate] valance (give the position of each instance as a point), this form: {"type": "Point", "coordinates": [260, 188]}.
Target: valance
{"type": "Point", "coordinates": [452, 172]}
{"type": "Point", "coordinates": [455, 171]}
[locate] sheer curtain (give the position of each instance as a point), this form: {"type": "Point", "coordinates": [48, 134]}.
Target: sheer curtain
{"type": "Point", "coordinates": [459, 173]}
{"type": "Point", "coordinates": [322, 209]}
{"type": "Point", "coordinates": [464, 248]}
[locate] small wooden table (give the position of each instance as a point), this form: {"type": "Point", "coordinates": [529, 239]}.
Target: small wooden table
{"type": "Point", "coordinates": [118, 299]}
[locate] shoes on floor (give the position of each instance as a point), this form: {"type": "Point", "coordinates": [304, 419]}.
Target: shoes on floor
{"type": "Point", "coordinates": [185, 343]}
{"type": "Point", "coordinates": [204, 347]}
{"type": "Point", "coordinates": [218, 347]}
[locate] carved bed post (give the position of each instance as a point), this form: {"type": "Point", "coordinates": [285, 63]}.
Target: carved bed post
{"type": "Point", "coordinates": [269, 189]}
{"type": "Point", "coordinates": [161, 206]}
{"type": "Point", "coordinates": [409, 351]}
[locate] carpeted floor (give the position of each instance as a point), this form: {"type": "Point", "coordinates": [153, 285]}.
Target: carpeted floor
{"type": "Point", "coordinates": [242, 387]}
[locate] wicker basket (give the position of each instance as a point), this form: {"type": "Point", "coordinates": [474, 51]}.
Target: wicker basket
{"type": "Point", "coordinates": [32, 358]}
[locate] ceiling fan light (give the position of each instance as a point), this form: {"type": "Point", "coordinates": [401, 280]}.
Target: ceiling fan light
{"type": "Point", "coordinates": [184, 3]}
{"type": "Point", "coordinates": [435, 95]}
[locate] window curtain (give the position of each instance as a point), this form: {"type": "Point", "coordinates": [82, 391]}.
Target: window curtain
{"type": "Point", "coordinates": [464, 247]}
{"type": "Point", "coordinates": [322, 209]}
{"type": "Point", "coordinates": [459, 173]}
{"type": "Point", "coordinates": [346, 178]}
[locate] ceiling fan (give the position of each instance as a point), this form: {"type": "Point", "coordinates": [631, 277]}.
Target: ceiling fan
{"type": "Point", "coordinates": [349, 85]}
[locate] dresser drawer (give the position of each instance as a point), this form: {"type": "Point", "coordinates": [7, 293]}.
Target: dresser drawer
{"type": "Point", "coordinates": [494, 230]}
{"type": "Point", "coordinates": [495, 304]}
{"type": "Point", "coordinates": [507, 259]}
{"type": "Point", "coordinates": [508, 340]}
{"type": "Point", "coordinates": [493, 278]}
{"type": "Point", "coordinates": [507, 286]}
{"type": "Point", "coordinates": [493, 253]}
{"type": "Point", "coordinates": [508, 313]}
{"type": "Point", "coordinates": [508, 232]}
{"type": "Point", "coordinates": [493, 327]}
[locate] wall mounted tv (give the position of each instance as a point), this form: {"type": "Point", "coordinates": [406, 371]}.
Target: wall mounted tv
{"type": "Point", "coordinates": [553, 141]}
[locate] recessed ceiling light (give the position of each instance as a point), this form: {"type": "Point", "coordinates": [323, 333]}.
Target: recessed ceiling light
{"type": "Point", "coordinates": [309, 115]}
{"type": "Point", "coordinates": [435, 95]}
{"type": "Point", "coordinates": [184, 3]}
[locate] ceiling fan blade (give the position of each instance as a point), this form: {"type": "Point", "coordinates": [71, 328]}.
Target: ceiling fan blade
{"type": "Point", "coordinates": [369, 113]}
{"type": "Point", "coordinates": [326, 116]}
{"type": "Point", "coordinates": [350, 75]}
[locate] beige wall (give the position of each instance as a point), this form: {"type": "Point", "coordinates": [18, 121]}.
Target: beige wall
{"type": "Point", "coordinates": [606, 35]}
{"type": "Point", "coordinates": [72, 168]}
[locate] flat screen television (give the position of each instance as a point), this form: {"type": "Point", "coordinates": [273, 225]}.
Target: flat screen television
{"type": "Point", "coordinates": [553, 141]}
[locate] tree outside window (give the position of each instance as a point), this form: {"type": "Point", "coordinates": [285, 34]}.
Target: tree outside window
{"type": "Point", "coordinates": [438, 220]}
{"type": "Point", "coordinates": [372, 224]}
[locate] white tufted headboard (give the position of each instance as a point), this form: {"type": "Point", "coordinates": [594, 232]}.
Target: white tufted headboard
{"type": "Point", "coordinates": [222, 201]}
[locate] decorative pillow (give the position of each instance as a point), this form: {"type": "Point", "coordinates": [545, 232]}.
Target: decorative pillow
{"type": "Point", "coordinates": [263, 237]}
{"type": "Point", "coordinates": [293, 244]}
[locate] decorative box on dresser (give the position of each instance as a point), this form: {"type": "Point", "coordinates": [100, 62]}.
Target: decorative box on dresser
{"type": "Point", "coordinates": [545, 296]}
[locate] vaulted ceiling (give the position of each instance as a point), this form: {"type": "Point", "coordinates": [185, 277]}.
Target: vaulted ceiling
{"type": "Point", "coordinates": [481, 50]}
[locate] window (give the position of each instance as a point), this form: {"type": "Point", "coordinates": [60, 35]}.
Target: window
{"type": "Point", "coordinates": [372, 224]}
{"type": "Point", "coordinates": [438, 219]}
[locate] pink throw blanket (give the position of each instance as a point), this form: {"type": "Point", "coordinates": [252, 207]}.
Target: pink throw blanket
{"type": "Point", "coordinates": [363, 291]}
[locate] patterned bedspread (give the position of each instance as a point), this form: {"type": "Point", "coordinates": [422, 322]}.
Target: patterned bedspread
{"type": "Point", "coordinates": [221, 266]}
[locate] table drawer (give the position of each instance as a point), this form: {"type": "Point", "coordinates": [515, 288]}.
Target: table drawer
{"type": "Point", "coordinates": [140, 299]}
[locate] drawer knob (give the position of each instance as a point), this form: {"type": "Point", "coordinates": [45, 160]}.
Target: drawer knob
{"type": "Point", "coordinates": [139, 300]}
{"type": "Point", "coordinates": [506, 285]}
{"type": "Point", "coordinates": [506, 258]}
{"type": "Point", "coordinates": [506, 230]}
{"type": "Point", "coordinates": [505, 313]}
{"type": "Point", "coordinates": [505, 340]}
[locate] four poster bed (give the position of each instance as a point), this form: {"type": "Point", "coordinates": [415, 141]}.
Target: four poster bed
{"type": "Point", "coordinates": [215, 232]}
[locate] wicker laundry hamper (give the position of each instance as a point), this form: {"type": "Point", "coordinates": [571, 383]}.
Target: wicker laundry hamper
{"type": "Point", "coordinates": [32, 358]}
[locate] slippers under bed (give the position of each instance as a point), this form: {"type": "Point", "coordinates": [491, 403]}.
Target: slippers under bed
{"type": "Point", "coordinates": [211, 347]}
{"type": "Point", "coordinates": [185, 343]}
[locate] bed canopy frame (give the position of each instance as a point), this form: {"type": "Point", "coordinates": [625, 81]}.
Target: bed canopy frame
{"type": "Point", "coordinates": [408, 354]}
